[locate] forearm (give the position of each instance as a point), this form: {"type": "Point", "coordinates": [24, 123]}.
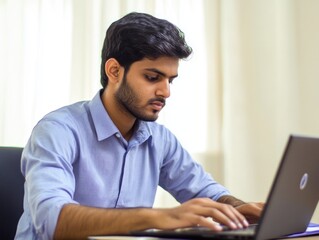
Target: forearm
{"type": "Point", "coordinates": [228, 199]}
{"type": "Point", "coordinates": [79, 222]}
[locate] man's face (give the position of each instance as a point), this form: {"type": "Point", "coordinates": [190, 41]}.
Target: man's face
{"type": "Point", "coordinates": [145, 87]}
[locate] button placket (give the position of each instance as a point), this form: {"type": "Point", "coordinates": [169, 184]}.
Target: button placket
{"type": "Point", "coordinates": [124, 189]}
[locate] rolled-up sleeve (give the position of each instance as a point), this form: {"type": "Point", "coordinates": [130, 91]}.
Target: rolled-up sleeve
{"type": "Point", "coordinates": [47, 166]}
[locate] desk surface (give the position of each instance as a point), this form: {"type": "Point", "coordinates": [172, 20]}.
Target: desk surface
{"type": "Point", "coordinates": [152, 238]}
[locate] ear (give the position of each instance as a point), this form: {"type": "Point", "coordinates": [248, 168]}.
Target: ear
{"type": "Point", "coordinates": [112, 70]}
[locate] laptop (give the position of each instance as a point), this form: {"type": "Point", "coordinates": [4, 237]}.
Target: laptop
{"type": "Point", "coordinates": [290, 205]}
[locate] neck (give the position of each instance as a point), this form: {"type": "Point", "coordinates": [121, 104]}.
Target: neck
{"type": "Point", "coordinates": [122, 120]}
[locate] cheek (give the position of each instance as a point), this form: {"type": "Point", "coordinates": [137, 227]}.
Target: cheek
{"type": "Point", "coordinates": [141, 89]}
{"type": "Point", "coordinates": [143, 92]}
{"type": "Point", "coordinates": [140, 95]}
{"type": "Point", "coordinates": [147, 92]}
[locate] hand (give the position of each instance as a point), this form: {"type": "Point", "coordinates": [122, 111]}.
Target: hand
{"type": "Point", "coordinates": [196, 212]}
{"type": "Point", "coordinates": [251, 211]}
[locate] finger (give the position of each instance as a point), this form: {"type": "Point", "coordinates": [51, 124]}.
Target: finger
{"type": "Point", "coordinates": [250, 209]}
{"type": "Point", "coordinates": [229, 216]}
{"type": "Point", "coordinates": [205, 222]}
{"type": "Point", "coordinates": [223, 218]}
{"type": "Point", "coordinates": [239, 217]}
{"type": "Point", "coordinates": [220, 212]}
{"type": "Point", "coordinates": [194, 218]}
{"type": "Point", "coordinates": [203, 208]}
{"type": "Point", "coordinates": [226, 214]}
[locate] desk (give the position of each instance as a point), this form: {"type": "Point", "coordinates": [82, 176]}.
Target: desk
{"type": "Point", "coordinates": [152, 238]}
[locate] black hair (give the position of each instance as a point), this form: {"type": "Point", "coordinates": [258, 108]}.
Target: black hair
{"type": "Point", "coordinates": [139, 35]}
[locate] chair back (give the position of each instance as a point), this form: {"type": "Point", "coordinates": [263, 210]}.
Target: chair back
{"type": "Point", "coordinates": [11, 191]}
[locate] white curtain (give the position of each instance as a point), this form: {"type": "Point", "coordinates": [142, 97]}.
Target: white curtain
{"type": "Point", "coordinates": [252, 80]}
{"type": "Point", "coordinates": [270, 67]}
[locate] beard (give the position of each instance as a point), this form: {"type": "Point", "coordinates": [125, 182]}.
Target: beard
{"type": "Point", "coordinates": [129, 101]}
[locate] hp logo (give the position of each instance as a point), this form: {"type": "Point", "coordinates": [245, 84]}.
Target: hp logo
{"type": "Point", "coordinates": [303, 181]}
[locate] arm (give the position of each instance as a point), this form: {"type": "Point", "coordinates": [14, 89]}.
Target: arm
{"type": "Point", "coordinates": [228, 199]}
{"type": "Point", "coordinates": [252, 211]}
{"type": "Point", "coordinates": [78, 222]}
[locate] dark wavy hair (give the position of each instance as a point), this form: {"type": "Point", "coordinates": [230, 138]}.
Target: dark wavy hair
{"type": "Point", "coordinates": [138, 35]}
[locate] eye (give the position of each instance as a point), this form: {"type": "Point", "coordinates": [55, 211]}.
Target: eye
{"type": "Point", "coordinates": [170, 81]}
{"type": "Point", "coordinates": [151, 78]}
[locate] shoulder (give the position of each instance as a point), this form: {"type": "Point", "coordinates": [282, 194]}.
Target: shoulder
{"type": "Point", "coordinates": [67, 116]}
{"type": "Point", "coordinates": [68, 113]}
{"type": "Point", "coordinates": [62, 122]}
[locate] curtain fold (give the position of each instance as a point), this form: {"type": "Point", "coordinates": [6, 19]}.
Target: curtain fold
{"type": "Point", "coordinates": [269, 80]}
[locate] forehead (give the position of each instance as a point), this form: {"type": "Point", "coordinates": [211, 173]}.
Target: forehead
{"type": "Point", "coordinates": [166, 65]}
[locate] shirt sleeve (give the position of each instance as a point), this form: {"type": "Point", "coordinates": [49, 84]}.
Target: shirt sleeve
{"type": "Point", "coordinates": [183, 177]}
{"type": "Point", "coordinates": [47, 166]}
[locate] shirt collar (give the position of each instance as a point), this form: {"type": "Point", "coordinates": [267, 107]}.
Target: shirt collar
{"type": "Point", "coordinates": [104, 126]}
{"type": "Point", "coordinates": [142, 133]}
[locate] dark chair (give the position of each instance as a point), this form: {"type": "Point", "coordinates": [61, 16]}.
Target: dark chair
{"type": "Point", "coordinates": [11, 191]}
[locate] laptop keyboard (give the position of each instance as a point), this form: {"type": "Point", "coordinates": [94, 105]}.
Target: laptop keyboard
{"type": "Point", "coordinates": [250, 230]}
{"type": "Point", "coordinates": [200, 233]}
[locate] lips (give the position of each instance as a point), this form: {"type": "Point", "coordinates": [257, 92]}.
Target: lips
{"type": "Point", "coordinates": [158, 104]}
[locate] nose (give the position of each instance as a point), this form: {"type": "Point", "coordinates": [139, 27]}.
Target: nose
{"type": "Point", "coordinates": [163, 89]}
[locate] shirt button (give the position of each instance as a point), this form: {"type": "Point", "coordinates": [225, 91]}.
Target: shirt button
{"type": "Point", "coordinates": [118, 135]}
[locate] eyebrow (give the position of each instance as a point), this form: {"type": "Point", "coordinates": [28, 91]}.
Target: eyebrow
{"type": "Point", "coordinates": [161, 73]}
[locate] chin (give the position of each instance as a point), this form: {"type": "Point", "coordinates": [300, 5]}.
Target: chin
{"type": "Point", "coordinates": [151, 118]}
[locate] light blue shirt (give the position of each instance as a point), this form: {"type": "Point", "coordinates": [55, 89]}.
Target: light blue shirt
{"type": "Point", "coordinates": [77, 155]}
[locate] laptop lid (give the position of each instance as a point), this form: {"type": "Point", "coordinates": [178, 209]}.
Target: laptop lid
{"type": "Point", "coordinates": [291, 201]}
{"type": "Point", "coordinates": [294, 193]}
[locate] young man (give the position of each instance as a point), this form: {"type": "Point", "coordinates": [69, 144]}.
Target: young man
{"type": "Point", "coordinates": [93, 167]}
